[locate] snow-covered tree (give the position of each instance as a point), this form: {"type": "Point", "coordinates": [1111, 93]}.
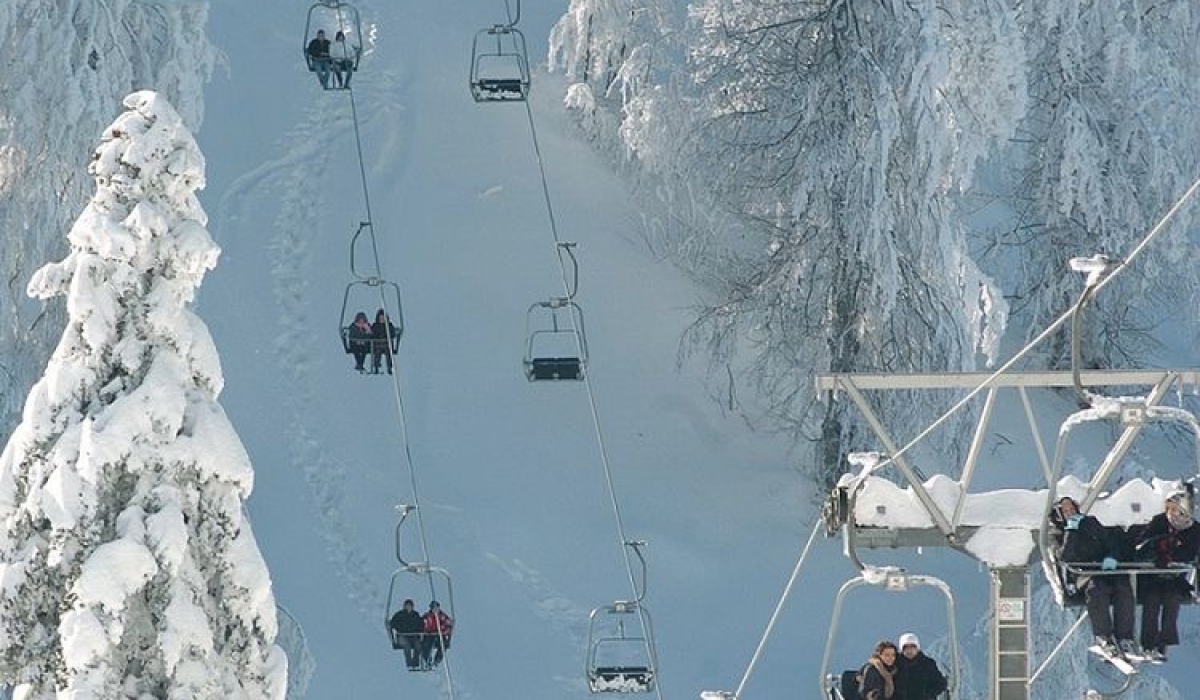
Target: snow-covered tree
{"type": "Point", "coordinates": [831, 139]}
{"type": "Point", "coordinates": [128, 568]}
{"type": "Point", "coordinates": [66, 63]}
{"type": "Point", "coordinates": [1109, 142]}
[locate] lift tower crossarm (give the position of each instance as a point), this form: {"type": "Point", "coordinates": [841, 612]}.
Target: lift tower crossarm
{"type": "Point", "coordinates": [972, 380]}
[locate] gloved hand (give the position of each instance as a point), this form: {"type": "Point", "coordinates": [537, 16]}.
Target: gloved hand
{"type": "Point", "coordinates": [1109, 564]}
{"type": "Point", "coordinates": [1074, 520]}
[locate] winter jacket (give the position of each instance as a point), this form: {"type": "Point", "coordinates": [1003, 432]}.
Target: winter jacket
{"type": "Point", "coordinates": [1091, 542]}
{"type": "Point", "coordinates": [442, 619]}
{"type": "Point", "coordinates": [318, 48]}
{"type": "Point", "coordinates": [342, 52]}
{"type": "Point", "coordinates": [1168, 545]}
{"type": "Point", "coordinates": [1165, 545]}
{"type": "Point", "coordinates": [407, 622]}
{"type": "Point", "coordinates": [360, 332]}
{"type": "Point", "coordinates": [875, 685]}
{"type": "Point", "coordinates": [918, 678]}
{"type": "Point", "coordinates": [381, 330]}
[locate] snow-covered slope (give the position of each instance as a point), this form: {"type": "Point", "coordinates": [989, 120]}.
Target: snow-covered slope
{"type": "Point", "coordinates": [508, 473]}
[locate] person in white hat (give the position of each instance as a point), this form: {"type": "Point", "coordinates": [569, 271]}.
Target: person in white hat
{"type": "Point", "coordinates": [1171, 538]}
{"type": "Point", "coordinates": [917, 675]}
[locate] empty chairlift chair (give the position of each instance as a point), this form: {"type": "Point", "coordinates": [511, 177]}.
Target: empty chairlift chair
{"type": "Point", "coordinates": [621, 656]}
{"type": "Point", "coordinates": [499, 65]}
{"type": "Point", "coordinates": [557, 344]}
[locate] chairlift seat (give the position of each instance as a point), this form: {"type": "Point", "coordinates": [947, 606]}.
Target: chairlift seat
{"type": "Point", "coordinates": [554, 368]}
{"type": "Point", "coordinates": [500, 90]}
{"type": "Point", "coordinates": [621, 679]}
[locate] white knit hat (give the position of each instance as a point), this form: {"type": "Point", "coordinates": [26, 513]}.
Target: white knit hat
{"type": "Point", "coordinates": [909, 638]}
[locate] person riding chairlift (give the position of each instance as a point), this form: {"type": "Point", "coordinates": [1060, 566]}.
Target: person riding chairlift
{"type": "Point", "coordinates": [1171, 538]}
{"type": "Point", "coordinates": [438, 626]}
{"type": "Point", "coordinates": [1110, 602]}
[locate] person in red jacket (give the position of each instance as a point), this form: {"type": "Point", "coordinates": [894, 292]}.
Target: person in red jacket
{"type": "Point", "coordinates": [438, 626]}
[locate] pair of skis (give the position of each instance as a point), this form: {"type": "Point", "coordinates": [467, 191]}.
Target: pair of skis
{"type": "Point", "coordinates": [1125, 663]}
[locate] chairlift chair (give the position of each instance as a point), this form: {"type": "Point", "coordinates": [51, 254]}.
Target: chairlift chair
{"type": "Point", "coordinates": [892, 580]}
{"type": "Point", "coordinates": [400, 579]}
{"type": "Point", "coordinates": [1134, 417]}
{"type": "Point", "coordinates": [557, 343]}
{"type": "Point", "coordinates": [333, 16]}
{"type": "Point", "coordinates": [499, 65]}
{"type": "Point", "coordinates": [367, 294]}
{"type": "Point", "coordinates": [621, 656]}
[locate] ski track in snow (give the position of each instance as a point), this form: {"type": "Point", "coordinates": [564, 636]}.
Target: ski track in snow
{"type": "Point", "coordinates": [291, 179]}
{"type": "Point", "coordinates": [556, 610]}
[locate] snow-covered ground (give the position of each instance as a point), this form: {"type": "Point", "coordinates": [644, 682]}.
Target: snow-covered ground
{"type": "Point", "coordinates": [509, 474]}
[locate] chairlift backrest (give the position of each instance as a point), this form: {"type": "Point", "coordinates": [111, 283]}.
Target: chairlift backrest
{"type": "Point", "coordinates": [848, 685]}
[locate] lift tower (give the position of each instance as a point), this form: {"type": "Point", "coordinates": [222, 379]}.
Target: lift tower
{"type": "Point", "coordinates": [863, 527]}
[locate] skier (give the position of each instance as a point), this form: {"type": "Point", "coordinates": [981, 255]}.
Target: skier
{"type": "Point", "coordinates": [1171, 538]}
{"type": "Point", "coordinates": [318, 57]}
{"type": "Point", "coordinates": [360, 335]}
{"type": "Point", "coordinates": [408, 630]}
{"type": "Point", "coordinates": [384, 332]}
{"type": "Point", "coordinates": [342, 58]}
{"type": "Point", "coordinates": [917, 675]}
{"type": "Point", "coordinates": [438, 626]}
{"type": "Point", "coordinates": [1110, 601]}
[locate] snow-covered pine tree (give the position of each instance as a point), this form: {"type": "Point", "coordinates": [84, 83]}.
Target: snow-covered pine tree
{"type": "Point", "coordinates": [94, 51]}
{"type": "Point", "coordinates": [128, 568]}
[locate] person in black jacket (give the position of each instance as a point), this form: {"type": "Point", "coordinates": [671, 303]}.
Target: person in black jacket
{"type": "Point", "coordinates": [917, 675]}
{"type": "Point", "coordinates": [384, 332]}
{"type": "Point", "coordinates": [1110, 601]}
{"type": "Point", "coordinates": [318, 57]}
{"type": "Point", "coordinates": [359, 335]}
{"type": "Point", "coordinates": [1171, 538]}
{"type": "Point", "coordinates": [877, 681]}
{"type": "Point", "coordinates": [408, 630]}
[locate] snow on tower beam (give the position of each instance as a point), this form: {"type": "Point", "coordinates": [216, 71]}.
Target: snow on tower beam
{"type": "Point", "coordinates": [871, 537]}
{"type": "Point", "coordinates": [971, 380]}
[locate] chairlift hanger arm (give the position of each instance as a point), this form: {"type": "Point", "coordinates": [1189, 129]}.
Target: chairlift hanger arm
{"type": "Point", "coordinates": [569, 248]}
{"type": "Point", "coordinates": [1119, 449]}
{"type": "Point", "coordinates": [636, 546]}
